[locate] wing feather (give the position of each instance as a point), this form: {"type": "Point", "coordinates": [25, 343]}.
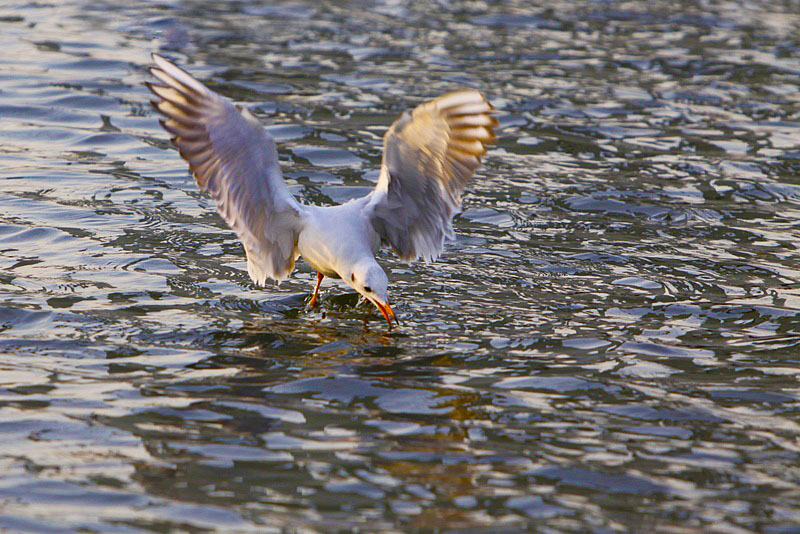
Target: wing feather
{"type": "Point", "coordinates": [236, 161]}
{"type": "Point", "coordinates": [429, 154]}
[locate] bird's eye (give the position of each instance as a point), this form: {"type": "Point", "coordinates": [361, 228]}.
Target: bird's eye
{"type": "Point", "coordinates": [368, 289]}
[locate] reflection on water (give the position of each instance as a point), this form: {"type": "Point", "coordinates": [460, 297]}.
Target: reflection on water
{"type": "Point", "coordinates": [609, 345]}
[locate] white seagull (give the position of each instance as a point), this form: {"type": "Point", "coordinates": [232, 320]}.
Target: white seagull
{"type": "Point", "coordinates": [429, 153]}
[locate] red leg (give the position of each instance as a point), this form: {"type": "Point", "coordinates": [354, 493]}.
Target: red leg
{"type": "Point", "coordinates": [313, 302]}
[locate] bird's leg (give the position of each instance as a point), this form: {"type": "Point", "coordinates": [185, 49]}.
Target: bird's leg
{"type": "Point", "coordinates": [313, 302]}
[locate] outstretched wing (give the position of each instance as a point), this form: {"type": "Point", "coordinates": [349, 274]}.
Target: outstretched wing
{"type": "Point", "coordinates": [428, 156]}
{"type": "Point", "coordinates": [235, 160]}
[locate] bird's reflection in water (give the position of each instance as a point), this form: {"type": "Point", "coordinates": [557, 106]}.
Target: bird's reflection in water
{"type": "Point", "coordinates": [313, 408]}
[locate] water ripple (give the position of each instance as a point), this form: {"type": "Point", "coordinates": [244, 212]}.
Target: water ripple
{"type": "Point", "coordinates": [610, 341]}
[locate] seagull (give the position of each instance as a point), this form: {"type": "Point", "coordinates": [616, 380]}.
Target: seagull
{"type": "Point", "coordinates": [429, 154]}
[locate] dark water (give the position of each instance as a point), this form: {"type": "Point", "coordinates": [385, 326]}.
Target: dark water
{"type": "Point", "coordinates": [612, 344]}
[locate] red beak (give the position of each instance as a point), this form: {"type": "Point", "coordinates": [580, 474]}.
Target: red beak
{"type": "Point", "coordinates": [386, 311]}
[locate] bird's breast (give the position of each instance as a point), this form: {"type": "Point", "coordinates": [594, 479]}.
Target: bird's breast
{"type": "Point", "coordinates": [332, 238]}
{"type": "Point", "coordinates": [318, 255]}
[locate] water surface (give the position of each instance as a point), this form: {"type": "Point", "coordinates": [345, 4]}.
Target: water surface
{"type": "Point", "coordinates": [611, 344]}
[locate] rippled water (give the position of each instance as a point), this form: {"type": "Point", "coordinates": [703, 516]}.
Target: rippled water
{"type": "Point", "coordinates": [612, 343]}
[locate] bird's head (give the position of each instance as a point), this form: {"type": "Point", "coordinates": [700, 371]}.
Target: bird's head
{"type": "Point", "coordinates": [371, 282]}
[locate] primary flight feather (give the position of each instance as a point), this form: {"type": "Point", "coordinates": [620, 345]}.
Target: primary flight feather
{"type": "Point", "coordinates": [429, 153]}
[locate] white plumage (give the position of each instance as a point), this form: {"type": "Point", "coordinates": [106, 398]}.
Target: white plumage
{"type": "Point", "coordinates": [429, 153]}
